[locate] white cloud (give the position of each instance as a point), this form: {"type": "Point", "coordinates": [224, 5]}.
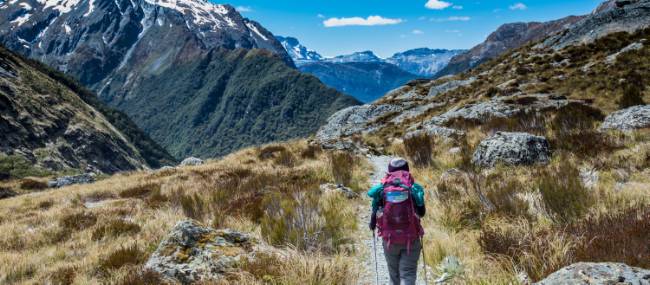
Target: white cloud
{"type": "Point", "coordinates": [457, 7]}
{"type": "Point", "coordinates": [518, 6]}
{"type": "Point", "coordinates": [437, 4]}
{"type": "Point", "coordinates": [243, 9]}
{"type": "Point", "coordinates": [320, 16]}
{"type": "Point", "coordinates": [417, 32]}
{"type": "Point", "coordinates": [359, 21]}
{"type": "Point", "coordinates": [452, 19]}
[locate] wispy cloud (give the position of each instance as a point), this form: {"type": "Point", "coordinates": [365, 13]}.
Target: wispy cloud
{"type": "Point", "coordinates": [451, 19]}
{"type": "Point", "coordinates": [244, 9]}
{"type": "Point", "coordinates": [437, 4]}
{"type": "Point", "coordinates": [359, 21]}
{"type": "Point", "coordinates": [518, 6]}
{"type": "Point", "coordinates": [417, 32]}
{"type": "Point", "coordinates": [320, 16]}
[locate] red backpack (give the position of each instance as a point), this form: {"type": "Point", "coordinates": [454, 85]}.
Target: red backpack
{"type": "Point", "coordinates": [398, 223]}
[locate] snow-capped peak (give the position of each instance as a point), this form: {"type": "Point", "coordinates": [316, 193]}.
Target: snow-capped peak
{"type": "Point", "coordinates": [299, 53]}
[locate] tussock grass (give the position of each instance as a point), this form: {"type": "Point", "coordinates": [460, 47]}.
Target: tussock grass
{"type": "Point", "coordinates": [95, 228]}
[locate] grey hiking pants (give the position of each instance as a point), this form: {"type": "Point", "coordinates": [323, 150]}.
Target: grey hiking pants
{"type": "Point", "coordinates": [402, 263]}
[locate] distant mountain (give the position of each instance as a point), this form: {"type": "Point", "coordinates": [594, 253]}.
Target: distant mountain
{"type": "Point", "coordinates": [51, 121]}
{"type": "Point", "coordinates": [299, 53]}
{"type": "Point", "coordinates": [366, 81]}
{"type": "Point", "coordinates": [505, 38]}
{"type": "Point", "coordinates": [424, 62]}
{"type": "Point", "coordinates": [363, 56]}
{"type": "Point", "coordinates": [198, 77]}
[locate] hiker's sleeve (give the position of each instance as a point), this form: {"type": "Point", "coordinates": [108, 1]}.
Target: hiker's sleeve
{"type": "Point", "coordinates": [374, 193]}
{"type": "Point", "coordinates": [418, 194]}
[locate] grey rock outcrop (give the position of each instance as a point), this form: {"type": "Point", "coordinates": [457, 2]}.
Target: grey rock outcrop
{"type": "Point", "coordinates": [449, 86]}
{"type": "Point", "coordinates": [191, 161]}
{"type": "Point", "coordinates": [512, 149]}
{"type": "Point", "coordinates": [345, 191]}
{"type": "Point", "coordinates": [436, 131]}
{"type": "Point", "coordinates": [632, 16]}
{"type": "Point", "coordinates": [59, 182]}
{"type": "Point", "coordinates": [631, 47]}
{"type": "Point", "coordinates": [636, 117]}
{"type": "Point", "coordinates": [352, 120]}
{"type": "Point", "coordinates": [192, 253]}
{"type": "Point", "coordinates": [598, 274]}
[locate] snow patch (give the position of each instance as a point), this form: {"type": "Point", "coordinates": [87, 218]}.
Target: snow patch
{"type": "Point", "coordinates": [67, 29]}
{"type": "Point", "coordinates": [253, 28]}
{"type": "Point", "coordinates": [202, 12]}
{"type": "Point", "coordinates": [63, 6]}
{"type": "Point", "coordinates": [146, 24]}
{"type": "Point", "coordinates": [25, 6]}
{"type": "Point", "coordinates": [91, 7]}
{"type": "Point", "coordinates": [21, 20]}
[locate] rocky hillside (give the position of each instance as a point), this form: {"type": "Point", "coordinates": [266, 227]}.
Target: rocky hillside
{"type": "Point", "coordinates": [505, 38]}
{"type": "Point", "coordinates": [198, 77]}
{"type": "Point", "coordinates": [424, 62]}
{"type": "Point", "coordinates": [535, 160]}
{"type": "Point", "coordinates": [56, 125]}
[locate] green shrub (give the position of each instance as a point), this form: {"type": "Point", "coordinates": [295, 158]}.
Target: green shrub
{"type": "Point", "coordinates": [16, 166]}
{"type": "Point", "coordinates": [31, 184]}
{"type": "Point", "coordinates": [342, 165]}
{"type": "Point", "coordinates": [503, 195]}
{"type": "Point", "coordinates": [115, 228]}
{"type": "Point", "coordinates": [632, 91]}
{"type": "Point", "coordinates": [419, 150]}
{"type": "Point", "coordinates": [563, 193]}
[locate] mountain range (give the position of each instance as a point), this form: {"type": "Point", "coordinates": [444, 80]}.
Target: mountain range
{"type": "Point", "coordinates": [363, 74]}
{"type": "Point", "coordinates": [197, 77]}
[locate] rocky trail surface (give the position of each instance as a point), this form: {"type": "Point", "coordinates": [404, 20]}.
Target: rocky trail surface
{"type": "Point", "coordinates": [379, 164]}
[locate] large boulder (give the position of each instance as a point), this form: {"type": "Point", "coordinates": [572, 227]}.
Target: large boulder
{"type": "Point", "coordinates": [353, 120]}
{"type": "Point", "coordinates": [191, 161]}
{"type": "Point", "coordinates": [192, 253]}
{"type": "Point", "coordinates": [59, 182]}
{"type": "Point", "coordinates": [512, 149]}
{"type": "Point", "coordinates": [435, 131]}
{"type": "Point", "coordinates": [637, 117]}
{"type": "Point", "coordinates": [598, 274]}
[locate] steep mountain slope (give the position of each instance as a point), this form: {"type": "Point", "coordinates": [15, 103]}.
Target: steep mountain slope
{"type": "Point", "coordinates": [130, 51]}
{"type": "Point", "coordinates": [505, 38]}
{"type": "Point", "coordinates": [57, 125]}
{"type": "Point", "coordinates": [298, 52]}
{"type": "Point", "coordinates": [424, 62]}
{"type": "Point", "coordinates": [365, 81]}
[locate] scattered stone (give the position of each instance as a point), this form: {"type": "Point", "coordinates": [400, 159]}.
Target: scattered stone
{"type": "Point", "coordinates": [598, 274]}
{"type": "Point", "coordinates": [59, 182]}
{"type": "Point", "coordinates": [191, 161]}
{"type": "Point", "coordinates": [7, 193]}
{"type": "Point", "coordinates": [455, 150]}
{"type": "Point", "coordinates": [436, 131]}
{"type": "Point", "coordinates": [512, 149]}
{"type": "Point", "coordinates": [191, 253]}
{"type": "Point", "coordinates": [449, 86]}
{"type": "Point", "coordinates": [345, 191]}
{"type": "Point", "coordinates": [589, 177]}
{"type": "Point", "coordinates": [636, 117]}
{"type": "Point", "coordinates": [611, 59]}
{"type": "Point", "coordinates": [165, 168]}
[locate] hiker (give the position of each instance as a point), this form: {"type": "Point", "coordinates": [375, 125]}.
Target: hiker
{"type": "Point", "coordinates": [397, 206]}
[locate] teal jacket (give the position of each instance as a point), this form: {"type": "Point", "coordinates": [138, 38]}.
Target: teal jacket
{"type": "Point", "coordinates": [376, 192]}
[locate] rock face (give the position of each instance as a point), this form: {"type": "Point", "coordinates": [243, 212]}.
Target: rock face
{"type": "Point", "coordinates": [627, 16]}
{"type": "Point", "coordinates": [512, 149]}
{"type": "Point", "coordinates": [352, 120]}
{"type": "Point", "coordinates": [198, 77]}
{"type": "Point", "coordinates": [449, 86]}
{"type": "Point", "coordinates": [505, 38]}
{"type": "Point", "coordinates": [56, 124]}
{"type": "Point", "coordinates": [191, 161]}
{"type": "Point", "coordinates": [191, 253]}
{"type": "Point", "coordinates": [636, 117]}
{"type": "Point", "coordinates": [345, 191]}
{"type": "Point", "coordinates": [71, 180]}
{"type": "Point", "coordinates": [598, 274]}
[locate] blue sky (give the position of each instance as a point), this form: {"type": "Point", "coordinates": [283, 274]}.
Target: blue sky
{"type": "Point", "coordinates": [332, 27]}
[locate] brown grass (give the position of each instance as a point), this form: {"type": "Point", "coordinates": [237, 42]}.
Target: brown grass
{"type": "Point", "coordinates": [31, 184]}
{"type": "Point", "coordinates": [419, 150]}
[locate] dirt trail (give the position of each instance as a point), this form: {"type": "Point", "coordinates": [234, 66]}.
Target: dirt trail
{"type": "Point", "coordinates": [380, 165]}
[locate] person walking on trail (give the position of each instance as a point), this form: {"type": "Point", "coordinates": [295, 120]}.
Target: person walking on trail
{"type": "Point", "coordinates": [397, 206]}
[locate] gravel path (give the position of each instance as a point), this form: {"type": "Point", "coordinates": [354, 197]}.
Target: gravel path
{"type": "Point", "coordinates": [380, 165]}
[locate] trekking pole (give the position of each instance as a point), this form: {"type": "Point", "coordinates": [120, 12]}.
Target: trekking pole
{"type": "Point", "coordinates": [374, 247]}
{"type": "Point", "coordinates": [424, 262]}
